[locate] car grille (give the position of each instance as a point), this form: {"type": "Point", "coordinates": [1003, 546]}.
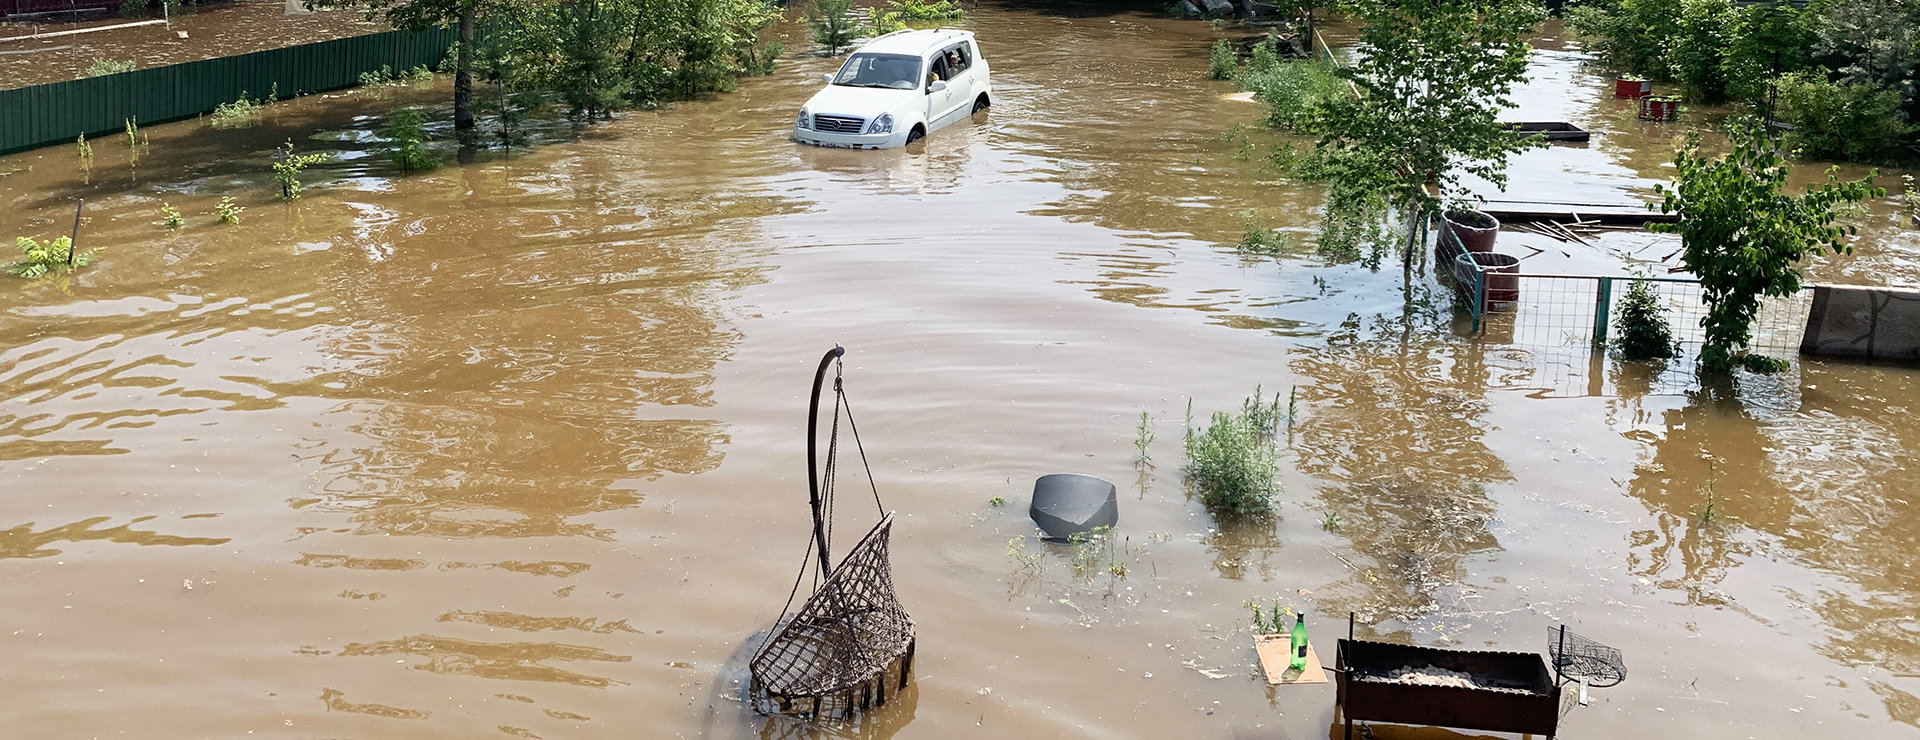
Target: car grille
{"type": "Point", "coordinates": [838, 124]}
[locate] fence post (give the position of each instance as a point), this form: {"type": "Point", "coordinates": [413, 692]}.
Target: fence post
{"type": "Point", "coordinates": [1603, 299]}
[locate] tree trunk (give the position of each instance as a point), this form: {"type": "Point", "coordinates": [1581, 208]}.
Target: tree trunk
{"type": "Point", "coordinates": [463, 70]}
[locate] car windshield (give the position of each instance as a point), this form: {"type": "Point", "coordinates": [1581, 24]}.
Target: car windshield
{"type": "Point", "coordinates": [896, 71]}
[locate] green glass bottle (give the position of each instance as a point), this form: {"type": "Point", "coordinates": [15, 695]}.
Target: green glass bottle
{"type": "Point", "coordinates": [1299, 645]}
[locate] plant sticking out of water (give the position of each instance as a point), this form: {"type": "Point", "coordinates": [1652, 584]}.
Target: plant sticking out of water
{"type": "Point", "coordinates": [1707, 513]}
{"type": "Point", "coordinates": [1029, 560]}
{"type": "Point", "coordinates": [102, 67]}
{"type": "Point", "coordinates": [133, 132]}
{"type": "Point", "coordinates": [1909, 197]}
{"type": "Point", "coordinates": [1221, 60]}
{"type": "Point", "coordinates": [1643, 331]}
{"type": "Point", "coordinates": [1143, 438]}
{"type": "Point", "coordinates": [86, 150]}
{"type": "Point", "coordinates": [1276, 620]}
{"type": "Point", "coordinates": [40, 258]}
{"type": "Point", "coordinates": [226, 211]}
{"type": "Point", "coordinates": [1261, 238]}
{"type": "Point", "coordinates": [241, 112]}
{"type": "Point", "coordinates": [1330, 522]}
{"type": "Point", "coordinates": [417, 74]}
{"type": "Point", "coordinates": [170, 217]}
{"type": "Point", "coordinates": [1232, 463]}
{"type": "Point", "coordinates": [1093, 552]}
{"type": "Point", "coordinates": [287, 166]}
{"type": "Point", "coordinates": [375, 77]}
{"type": "Point", "coordinates": [996, 502]}
{"type": "Point", "coordinates": [406, 140]}
{"type": "Point", "coordinates": [927, 10]}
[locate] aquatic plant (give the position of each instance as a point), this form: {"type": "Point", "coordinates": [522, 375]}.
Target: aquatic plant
{"type": "Point", "coordinates": [102, 66]}
{"type": "Point", "coordinates": [406, 140]}
{"type": "Point", "coordinates": [170, 217]}
{"type": "Point", "coordinates": [1642, 331]}
{"type": "Point", "coordinates": [240, 112]}
{"type": "Point", "coordinates": [1232, 463]}
{"type": "Point", "coordinates": [40, 258]}
{"type": "Point", "coordinates": [226, 211]}
{"type": "Point", "coordinates": [1261, 238]}
{"type": "Point", "coordinates": [287, 166]}
{"type": "Point", "coordinates": [1221, 60]}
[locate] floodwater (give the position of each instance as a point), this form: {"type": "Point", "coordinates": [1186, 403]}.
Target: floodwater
{"type": "Point", "coordinates": [515, 447]}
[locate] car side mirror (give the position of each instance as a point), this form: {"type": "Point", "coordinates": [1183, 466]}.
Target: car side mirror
{"type": "Point", "coordinates": [828, 77]}
{"type": "Point", "coordinates": [937, 86]}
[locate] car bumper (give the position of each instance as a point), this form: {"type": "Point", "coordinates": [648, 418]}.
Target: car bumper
{"type": "Point", "coordinates": [848, 141]}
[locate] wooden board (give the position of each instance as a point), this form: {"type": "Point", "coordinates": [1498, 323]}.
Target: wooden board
{"type": "Point", "coordinates": [1274, 651]}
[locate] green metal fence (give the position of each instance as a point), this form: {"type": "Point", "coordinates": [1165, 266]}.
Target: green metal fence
{"type": "Point", "coordinates": [61, 111]}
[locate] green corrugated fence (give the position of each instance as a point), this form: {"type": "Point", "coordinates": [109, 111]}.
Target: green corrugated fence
{"type": "Point", "coordinates": [59, 112]}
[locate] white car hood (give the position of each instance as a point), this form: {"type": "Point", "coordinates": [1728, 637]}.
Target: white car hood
{"type": "Point", "coordinates": [865, 102]}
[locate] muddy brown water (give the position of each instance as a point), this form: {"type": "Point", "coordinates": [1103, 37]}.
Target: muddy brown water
{"type": "Point", "coordinates": [515, 447]}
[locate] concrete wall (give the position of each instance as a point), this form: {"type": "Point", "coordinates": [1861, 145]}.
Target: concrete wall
{"type": "Point", "coordinates": [1853, 321]}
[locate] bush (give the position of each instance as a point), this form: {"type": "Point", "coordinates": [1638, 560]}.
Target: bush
{"type": "Point", "coordinates": [834, 24]}
{"type": "Point", "coordinates": [1295, 93]}
{"type": "Point", "coordinates": [287, 166]}
{"type": "Point", "coordinates": [226, 211]}
{"type": "Point", "coordinates": [1855, 122]}
{"type": "Point", "coordinates": [101, 67]}
{"type": "Point", "coordinates": [237, 113]}
{"type": "Point", "coordinates": [1232, 463]}
{"type": "Point", "coordinates": [1221, 59]}
{"type": "Point", "coordinates": [1641, 331]}
{"type": "Point", "coordinates": [1261, 238]}
{"type": "Point", "coordinates": [39, 258]}
{"type": "Point", "coordinates": [406, 140]}
{"type": "Point", "coordinates": [927, 10]}
{"type": "Point", "coordinates": [380, 76]}
{"type": "Point", "coordinates": [133, 8]}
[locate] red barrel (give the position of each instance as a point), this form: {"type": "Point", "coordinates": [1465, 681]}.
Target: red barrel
{"type": "Point", "coordinates": [1631, 87]}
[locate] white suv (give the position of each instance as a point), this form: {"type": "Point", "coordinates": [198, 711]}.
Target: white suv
{"type": "Point", "coordinates": [895, 89]}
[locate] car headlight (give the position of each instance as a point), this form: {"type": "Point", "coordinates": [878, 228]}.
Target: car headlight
{"type": "Point", "coordinates": [803, 121]}
{"type": "Point", "coordinates": [881, 125]}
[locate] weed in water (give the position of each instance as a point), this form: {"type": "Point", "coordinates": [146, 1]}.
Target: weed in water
{"type": "Point", "coordinates": [1093, 552]}
{"type": "Point", "coordinates": [101, 67]}
{"type": "Point", "coordinates": [996, 502]}
{"type": "Point", "coordinates": [40, 258]}
{"type": "Point", "coordinates": [287, 167]}
{"type": "Point", "coordinates": [419, 73]}
{"type": "Point", "coordinates": [1707, 513]}
{"type": "Point", "coordinates": [1274, 621]}
{"type": "Point", "coordinates": [1028, 559]}
{"type": "Point", "coordinates": [1910, 216]}
{"type": "Point", "coordinates": [406, 140]}
{"type": "Point", "coordinates": [1331, 522]}
{"type": "Point", "coordinates": [1643, 331]}
{"type": "Point", "coordinates": [1143, 438]}
{"type": "Point", "coordinates": [1221, 60]}
{"type": "Point", "coordinates": [380, 76]}
{"type": "Point", "coordinates": [242, 112]}
{"type": "Point", "coordinates": [86, 150]}
{"type": "Point", "coordinates": [1232, 463]}
{"type": "Point", "coordinates": [170, 217]}
{"type": "Point", "coordinates": [226, 212]}
{"type": "Point", "coordinates": [1261, 238]}
{"type": "Point", "coordinates": [133, 132]}
{"type": "Point", "coordinates": [1293, 405]}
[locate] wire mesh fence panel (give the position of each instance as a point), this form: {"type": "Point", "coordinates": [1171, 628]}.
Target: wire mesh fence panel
{"type": "Point", "coordinates": [1562, 326]}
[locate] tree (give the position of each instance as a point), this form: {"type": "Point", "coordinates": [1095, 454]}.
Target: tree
{"type": "Point", "coordinates": [1741, 234]}
{"type": "Point", "coordinates": [421, 15]}
{"type": "Point", "coordinates": [834, 23]}
{"type": "Point", "coordinates": [1432, 78]}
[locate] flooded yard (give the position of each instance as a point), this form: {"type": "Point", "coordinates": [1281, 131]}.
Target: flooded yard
{"type": "Point", "coordinates": [515, 447]}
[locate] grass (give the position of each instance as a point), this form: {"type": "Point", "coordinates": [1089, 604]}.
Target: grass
{"type": "Point", "coordinates": [40, 258]}
{"type": "Point", "coordinates": [226, 211]}
{"type": "Point", "coordinates": [242, 112]}
{"type": "Point", "coordinates": [1232, 463]}
{"type": "Point", "coordinates": [103, 66]}
{"type": "Point", "coordinates": [1261, 238]}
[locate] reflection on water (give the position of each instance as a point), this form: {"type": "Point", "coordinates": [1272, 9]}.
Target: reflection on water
{"type": "Point", "coordinates": [23, 542]}
{"type": "Point", "coordinates": [521, 661]}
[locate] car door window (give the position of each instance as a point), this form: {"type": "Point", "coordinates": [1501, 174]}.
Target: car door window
{"type": "Point", "coordinates": [957, 59]}
{"type": "Point", "coordinates": [938, 70]}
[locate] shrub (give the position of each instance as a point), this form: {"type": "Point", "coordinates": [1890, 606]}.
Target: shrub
{"type": "Point", "coordinates": [1261, 238]}
{"type": "Point", "coordinates": [1232, 463]}
{"type": "Point", "coordinates": [287, 167]}
{"type": "Point", "coordinates": [1841, 121]}
{"type": "Point", "coordinates": [1641, 331]}
{"type": "Point", "coordinates": [927, 10]}
{"type": "Point", "coordinates": [380, 76]}
{"type": "Point", "coordinates": [419, 73]}
{"type": "Point", "coordinates": [103, 66]}
{"type": "Point", "coordinates": [833, 23]}
{"type": "Point", "coordinates": [170, 217]}
{"type": "Point", "coordinates": [38, 258]}
{"type": "Point", "coordinates": [240, 112]}
{"type": "Point", "coordinates": [1295, 93]}
{"type": "Point", "coordinates": [1221, 59]}
{"type": "Point", "coordinates": [226, 211]}
{"type": "Point", "coordinates": [406, 139]}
